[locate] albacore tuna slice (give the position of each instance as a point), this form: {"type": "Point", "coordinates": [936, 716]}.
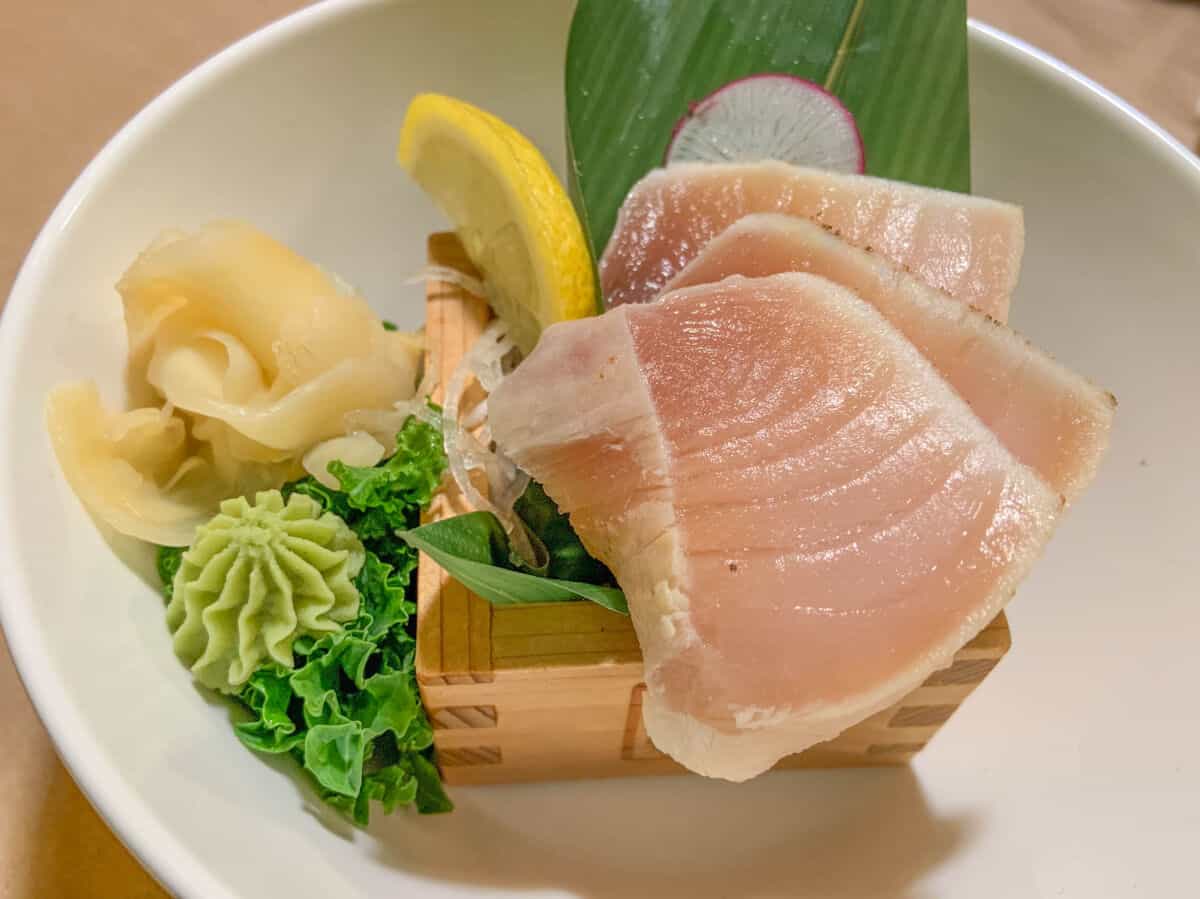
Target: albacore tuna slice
{"type": "Point", "coordinates": [1050, 418]}
{"type": "Point", "coordinates": [969, 247]}
{"type": "Point", "coordinates": [806, 519]}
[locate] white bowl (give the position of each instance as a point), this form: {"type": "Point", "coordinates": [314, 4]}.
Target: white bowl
{"type": "Point", "coordinates": [1072, 771]}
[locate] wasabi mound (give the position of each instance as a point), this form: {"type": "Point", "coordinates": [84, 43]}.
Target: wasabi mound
{"type": "Point", "coordinates": [257, 577]}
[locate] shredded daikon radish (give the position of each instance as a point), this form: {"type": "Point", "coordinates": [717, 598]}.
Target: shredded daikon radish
{"type": "Point", "coordinates": [449, 275]}
{"type": "Point", "coordinates": [476, 418]}
{"type": "Point", "coordinates": [429, 375]}
{"type": "Point", "coordinates": [467, 452]}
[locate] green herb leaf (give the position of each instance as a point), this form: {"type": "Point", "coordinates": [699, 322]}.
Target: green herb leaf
{"type": "Point", "coordinates": [404, 482]}
{"type": "Point", "coordinates": [431, 796]}
{"type": "Point", "coordinates": [393, 786]}
{"type": "Point", "coordinates": [900, 66]}
{"type": "Point", "coordinates": [473, 549]}
{"type": "Point", "coordinates": [569, 559]}
{"type": "Point", "coordinates": [319, 683]}
{"type": "Point", "coordinates": [270, 695]}
{"type": "Point", "coordinates": [383, 595]}
{"type": "Point", "coordinates": [472, 537]}
{"type": "Point", "coordinates": [333, 753]}
{"type": "Point", "coordinates": [385, 704]}
{"type": "Point", "coordinates": [376, 501]}
{"type": "Point", "coordinates": [167, 562]}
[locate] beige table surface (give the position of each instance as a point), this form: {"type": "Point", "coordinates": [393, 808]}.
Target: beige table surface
{"type": "Point", "coordinates": [73, 71]}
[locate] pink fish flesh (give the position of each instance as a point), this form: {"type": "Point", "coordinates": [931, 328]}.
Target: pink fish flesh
{"type": "Point", "coordinates": [1050, 418]}
{"type": "Point", "coordinates": [806, 520]}
{"type": "Point", "coordinates": [966, 246]}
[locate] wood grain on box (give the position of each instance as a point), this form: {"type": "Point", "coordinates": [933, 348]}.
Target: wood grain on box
{"type": "Point", "coordinates": [547, 692]}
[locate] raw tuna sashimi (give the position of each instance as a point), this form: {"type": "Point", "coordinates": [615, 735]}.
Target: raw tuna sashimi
{"type": "Point", "coordinates": [1050, 418]}
{"type": "Point", "coordinates": [806, 520]}
{"type": "Point", "coordinates": [967, 246]}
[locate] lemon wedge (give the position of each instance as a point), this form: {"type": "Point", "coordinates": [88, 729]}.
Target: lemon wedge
{"type": "Point", "coordinates": [511, 213]}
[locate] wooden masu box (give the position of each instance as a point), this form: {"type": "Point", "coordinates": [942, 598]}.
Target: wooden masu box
{"type": "Point", "coordinates": [546, 692]}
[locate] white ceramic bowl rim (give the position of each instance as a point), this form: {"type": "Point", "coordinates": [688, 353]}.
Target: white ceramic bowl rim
{"type": "Point", "coordinates": [172, 862]}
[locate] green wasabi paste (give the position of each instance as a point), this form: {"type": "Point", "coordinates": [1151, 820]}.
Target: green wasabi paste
{"type": "Point", "coordinates": [257, 577]}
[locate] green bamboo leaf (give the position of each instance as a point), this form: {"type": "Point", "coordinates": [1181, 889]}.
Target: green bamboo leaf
{"type": "Point", "coordinates": [634, 66]}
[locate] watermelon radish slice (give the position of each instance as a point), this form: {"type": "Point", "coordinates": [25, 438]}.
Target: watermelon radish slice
{"type": "Point", "coordinates": [770, 117]}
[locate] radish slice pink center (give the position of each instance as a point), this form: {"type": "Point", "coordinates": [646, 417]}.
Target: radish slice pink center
{"type": "Point", "coordinates": [770, 117]}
